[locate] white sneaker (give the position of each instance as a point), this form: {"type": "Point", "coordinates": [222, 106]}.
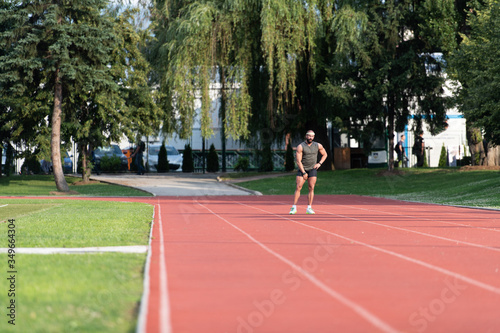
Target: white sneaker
{"type": "Point", "coordinates": [310, 211]}
{"type": "Point", "coordinates": [293, 210]}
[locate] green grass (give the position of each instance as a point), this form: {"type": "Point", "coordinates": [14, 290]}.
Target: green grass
{"type": "Point", "coordinates": [43, 185]}
{"type": "Point", "coordinates": [78, 292]}
{"type": "Point", "coordinates": [76, 223]}
{"type": "Point", "coordinates": [75, 293]}
{"type": "Point", "coordinates": [443, 186]}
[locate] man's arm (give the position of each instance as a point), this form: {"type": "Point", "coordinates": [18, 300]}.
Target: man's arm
{"type": "Point", "coordinates": [324, 155]}
{"type": "Point", "coordinates": [298, 156]}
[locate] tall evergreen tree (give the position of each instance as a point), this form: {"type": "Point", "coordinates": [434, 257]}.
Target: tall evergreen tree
{"type": "Point", "coordinates": [389, 66]}
{"type": "Point", "coordinates": [476, 65]}
{"type": "Point", "coordinates": [83, 62]}
{"type": "Point", "coordinates": [52, 46]}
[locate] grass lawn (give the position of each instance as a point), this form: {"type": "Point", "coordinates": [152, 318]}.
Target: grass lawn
{"type": "Point", "coordinates": [452, 186]}
{"type": "Point", "coordinates": [76, 223]}
{"type": "Point", "coordinates": [43, 185]}
{"type": "Point", "coordinates": [75, 293]}
{"type": "Point", "coordinates": [72, 292]}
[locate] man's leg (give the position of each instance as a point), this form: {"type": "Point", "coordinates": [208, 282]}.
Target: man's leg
{"type": "Point", "coordinates": [312, 182]}
{"type": "Point", "coordinates": [300, 182]}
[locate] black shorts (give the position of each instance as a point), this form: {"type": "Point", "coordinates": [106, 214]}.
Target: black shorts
{"type": "Point", "coordinates": [310, 173]}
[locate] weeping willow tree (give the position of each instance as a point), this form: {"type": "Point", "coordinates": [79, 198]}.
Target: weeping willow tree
{"type": "Point", "coordinates": [248, 50]}
{"type": "Point", "coordinates": [201, 47]}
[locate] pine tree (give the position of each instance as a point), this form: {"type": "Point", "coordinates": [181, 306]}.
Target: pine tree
{"type": "Point", "coordinates": [88, 56]}
{"type": "Point", "coordinates": [212, 160]}
{"type": "Point", "coordinates": [387, 67]}
{"type": "Point", "coordinates": [289, 158]}
{"type": "Point", "coordinates": [187, 159]}
{"type": "Point", "coordinates": [475, 64]}
{"type": "Point", "coordinates": [443, 157]}
{"type": "Point", "coordinates": [162, 166]}
{"type": "Point", "coordinates": [60, 59]}
{"type": "Point", "coordinates": [266, 162]}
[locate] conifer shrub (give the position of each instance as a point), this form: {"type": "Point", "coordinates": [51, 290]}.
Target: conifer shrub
{"type": "Point", "coordinates": [212, 160]}
{"type": "Point", "coordinates": [187, 159]}
{"type": "Point", "coordinates": [443, 157]}
{"type": "Point", "coordinates": [289, 158]}
{"type": "Point", "coordinates": [162, 165]}
{"type": "Point", "coordinates": [266, 161]}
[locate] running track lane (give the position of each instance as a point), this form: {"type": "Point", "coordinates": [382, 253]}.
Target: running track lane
{"type": "Point", "coordinates": [242, 264]}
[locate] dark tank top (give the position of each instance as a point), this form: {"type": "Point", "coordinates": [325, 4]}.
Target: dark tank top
{"type": "Point", "coordinates": [309, 155]}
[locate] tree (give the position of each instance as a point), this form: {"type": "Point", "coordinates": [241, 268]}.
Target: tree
{"type": "Point", "coordinates": [289, 158]}
{"type": "Point", "coordinates": [266, 159]}
{"type": "Point", "coordinates": [162, 159]}
{"type": "Point", "coordinates": [202, 47]}
{"type": "Point", "coordinates": [78, 51]}
{"type": "Point", "coordinates": [212, 159]}
{"type": "Point", "coordinates": [252, 52]}
{"type": "Point", "coordinates": [125, 105]}
{"type": "Point", "coordinates": [443, 157]}
{"type": "Point", "coordinates": [187, 159]}
{"type": "Point", "coordinates": [476, 66]}
{"type": "Point", "coordinates": [51, 47]}
{"type": "Point", "coordinates": [387, 67]}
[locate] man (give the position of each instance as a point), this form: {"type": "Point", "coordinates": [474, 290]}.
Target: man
{"type": "Point", "coordinates": [141, 147]}
{"type": "Point", "coordinates": [307, 157]}
{"type": "Point", "coordinates": [401, 151]}
{"type": "Point", "coordinates": [419, 149]}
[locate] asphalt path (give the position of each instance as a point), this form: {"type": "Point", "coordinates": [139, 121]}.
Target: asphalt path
{"type": "Point", "coordinates": [176, 184]}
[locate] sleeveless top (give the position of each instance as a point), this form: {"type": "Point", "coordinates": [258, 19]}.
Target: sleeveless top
{"type": "Point", "coordinates": [309, 155]}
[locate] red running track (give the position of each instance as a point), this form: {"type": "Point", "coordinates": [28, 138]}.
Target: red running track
{"type": "Point", "coordinates": [242, 264]}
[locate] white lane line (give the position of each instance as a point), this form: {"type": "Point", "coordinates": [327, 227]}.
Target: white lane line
{"type": "Point", "coordinates": [485, 247]}
{"type": "Point", "coordinates": [368, 316]}
{"type": "Point", "coordinates": [143, 310]}
{"type": "Point", "coordinates": [79, 250]}
{"type": "Point", "coordinates": [4, 205]}
{"type": "Point", "coordinates": [422, 218]}
{"type": "Point", "coordinates": [459, 276]}
{"type": "Point", "coordinates": [165, 320]}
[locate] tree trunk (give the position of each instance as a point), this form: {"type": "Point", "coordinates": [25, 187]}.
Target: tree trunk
{"type": "Point", "coordinates": [86, 167]}
{"type": "Point", "coordinates": [223, 116]}
{"type": "Point", "coordinates": [55, 142]}
{"type": "Point", "coordinates": [1, 152]}
{"type": "Point", "coordinates": [390, 133]}
{"type": "Point", "coordinates": [493, 155]}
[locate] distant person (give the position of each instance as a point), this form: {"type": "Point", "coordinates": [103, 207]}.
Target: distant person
{"type": "Point", "coordinates": [139, 151]}
{"type": "Point", "coordinates": [307, 162]}
{"type": "Point", "coordinates": [419, 149]}
{"type": "Point", "coordinates": [401, 151]}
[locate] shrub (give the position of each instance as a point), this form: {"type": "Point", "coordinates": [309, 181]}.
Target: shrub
{"type": "Point", "coordinates": [212, 160]}
{"type": "Point", "coordinates": [31, 165]}
{"type": "Point", "coordinates": [242, 164]}
{"type": "Point", "coordinates": [162, 165]}
{"type": "Point", "coordinates": [266, 162]}
{"type": "Point", "coordinates": [443, 158]}
{"type": "Point", "coordinates": [187, 159]}
{"type": "Point", "coordinates": [289, 158]}
{"type": "Point", "coordinates": [110, 164]}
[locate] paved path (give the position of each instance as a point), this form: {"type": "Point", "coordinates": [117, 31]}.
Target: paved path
{"type": "Point", "coordinates": [176, 184]}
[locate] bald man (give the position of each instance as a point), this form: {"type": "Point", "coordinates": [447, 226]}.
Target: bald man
{"type": "Point", "coordinates": [307, 162]}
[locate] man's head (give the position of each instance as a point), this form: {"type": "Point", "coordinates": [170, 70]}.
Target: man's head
{"type": "Point", "coordinates": [309, 136]}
